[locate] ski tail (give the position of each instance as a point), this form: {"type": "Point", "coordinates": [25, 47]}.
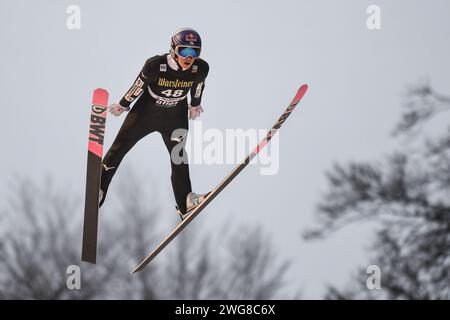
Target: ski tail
{"type": "Point", "coordinates": [93, 174]}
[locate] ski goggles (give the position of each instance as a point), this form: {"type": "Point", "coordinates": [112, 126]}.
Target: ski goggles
{"type": "Point", "coordinates": [185, 52]}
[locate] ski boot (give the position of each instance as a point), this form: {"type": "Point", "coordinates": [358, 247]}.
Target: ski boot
{"type": "Point", "coordinates": [192, 201]}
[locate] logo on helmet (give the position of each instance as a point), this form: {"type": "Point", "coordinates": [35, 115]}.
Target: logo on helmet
{"type": "Point", "coordinates": [191, 38]}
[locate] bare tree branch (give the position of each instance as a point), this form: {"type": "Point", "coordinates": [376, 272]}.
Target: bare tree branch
{"type": "Point", "coordinates": [40, 237]}
{"type": "Point", "coordinates": [422, 104]}
{"type": "Point", "coordinates": [408, 195]}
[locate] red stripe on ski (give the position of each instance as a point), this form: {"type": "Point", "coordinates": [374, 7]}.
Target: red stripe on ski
{"type": "Point", "coordinates": [100, 97]}
{"type": "Point", "coordinates": [300, 93]}
{"type": "Point", "coordinates": [260, 146]}
{"type": "Point", "coordinates": [96, 149]}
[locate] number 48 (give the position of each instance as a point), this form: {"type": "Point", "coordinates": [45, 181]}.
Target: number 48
{"type": "Point", "coordinates": [176, 93]}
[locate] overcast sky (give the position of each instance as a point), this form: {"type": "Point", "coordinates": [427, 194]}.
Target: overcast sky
{"type": "Point", "coordinates": [259, 53]}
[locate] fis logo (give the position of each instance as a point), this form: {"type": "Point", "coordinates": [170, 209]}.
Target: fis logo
{"type": "Point", "coordinates": [163, 67]}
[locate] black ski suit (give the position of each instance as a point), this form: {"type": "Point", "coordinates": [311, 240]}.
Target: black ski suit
{"type": "Point", "coordinates": [161, 92]}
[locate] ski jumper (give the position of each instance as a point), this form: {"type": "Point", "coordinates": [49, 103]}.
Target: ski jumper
{"type": "Point", "coordinates": [161, 92]}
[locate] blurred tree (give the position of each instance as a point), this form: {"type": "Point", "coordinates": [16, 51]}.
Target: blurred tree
{"type": "Point", "coordinates": [408, 195]}
{"type": "Point", "coordinates": [40, 237]}
{"type": "Point", "coordinates": [237, 264]}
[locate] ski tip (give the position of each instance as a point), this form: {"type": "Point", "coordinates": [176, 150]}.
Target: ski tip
{"type": "Point", "coordinates": [135, 270]}
{"type": "Point", "coordinates": [300, 93]}
{"type": "Point", "coordinates": [100, 97]}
